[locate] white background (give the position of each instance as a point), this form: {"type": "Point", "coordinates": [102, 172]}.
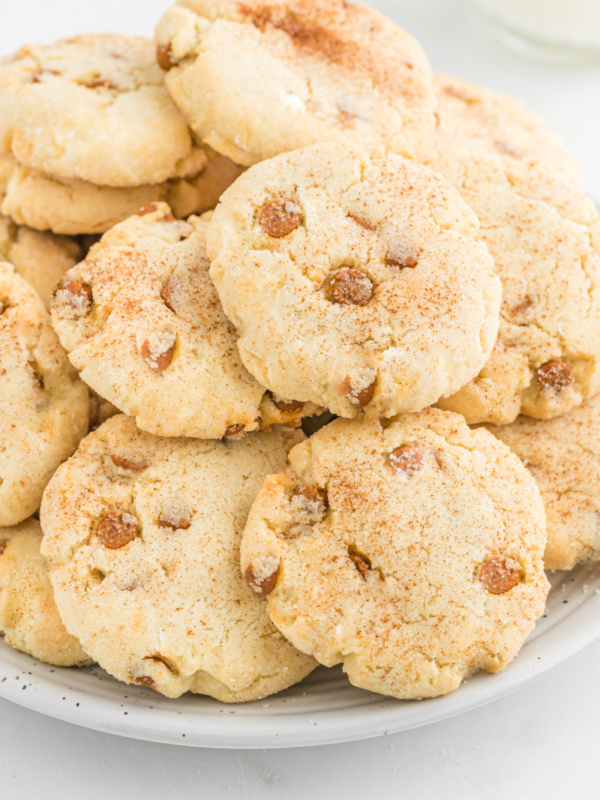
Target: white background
{"type": "Point", "coordinates": [539, 743]}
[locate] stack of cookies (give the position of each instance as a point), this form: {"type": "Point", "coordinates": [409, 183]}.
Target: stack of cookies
{"type": "Point", "coordinates": [299, 222]}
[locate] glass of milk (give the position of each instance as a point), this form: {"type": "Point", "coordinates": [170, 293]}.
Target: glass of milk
{"type": "Point", "coordinates": [565, 29]}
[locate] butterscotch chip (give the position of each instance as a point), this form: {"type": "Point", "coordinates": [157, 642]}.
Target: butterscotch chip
{"type": "Point", "coordinates": [279, 218]}
{"type": "Point", "coordinates": [100, 82]}
{"type": "Point", "coordinates": [173, 606]}
{"type": "Point", "coordinates": [358, 396]}
{"type": "Point", "coordinates": [168, 294]}
{"type": "Point", "coordinates": [174, 516]}
{"type": "Point", "coordinates": [554, 376]}
{"type": "Point", "coordinates": [144, 680]}
{"type": "Point", "coordinates": [408, 459]}
{"type": "Point", "coordinates": [75, 296]}
{"type": "Point", "coordinates": [149, 208]}
{"type": "Point", "coordinates": [164, 56]}
{"type": "Point", "coordinates": [3, 543]}
{"type": "Point", "coordinates": [126, 463]}
{"type": "Point", "coordinates": [263, 586]}
{"type": "Point", "coordinates": [235, 431]}
{"type": "Point", "coordinates": [362, 564]}
{"type": "Point", "coordinates": [401, 257]}
{"type": "Point", "coordinates": [116, 529]}
{"type": "Point", "coordinates": [288, 406]}
{"type": "Point", "coordinates": [158, 351]}
{"type": "Point", "coordinates": [351, 287]}
{"type": "Point", "coordinates": [309, 504]}
{"type": "Point", "coordinates": [321, 315]}
{"type": "Point", "coordinates": [392, 574]}
{"type": "Point", "coordinates": [499, 574]}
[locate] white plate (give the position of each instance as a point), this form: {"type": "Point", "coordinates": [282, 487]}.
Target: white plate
{"type": "Point", "coordinates": [322, 709]}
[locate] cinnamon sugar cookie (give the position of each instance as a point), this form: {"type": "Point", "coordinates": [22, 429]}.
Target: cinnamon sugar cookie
{"type": "Point", "coordinates": [544, 235]}
{"type": "Point", "coordinates": [354, 283]}
{"type": "Point", "coordinates": [262, 78]}
{"type": "Point", "coordinates": [141, 320]}
{"type": "Point", "coordinates": [29, 619]}
{"type": "Point", "coordinates": [410, 552]}
{"type": "Point", "coordinates": [563, 455]}
{"type": "Point", "coordinates": [486, 122]}
{"type": "Point", "coordinates": [143, 536]}
{"type": "Point", "coordinates": [44, 407]}
{"type": "Point", "coordinates": [93, 108]}
{"type": "Point", "coordinates": [74, 207]}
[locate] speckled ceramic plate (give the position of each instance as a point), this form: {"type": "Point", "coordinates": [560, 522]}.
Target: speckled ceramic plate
{"type": "Point", "coordinates": [323, 709]}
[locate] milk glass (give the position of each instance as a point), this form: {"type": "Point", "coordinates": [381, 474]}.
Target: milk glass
{"type": "Point", "coordinates": [564, 29]}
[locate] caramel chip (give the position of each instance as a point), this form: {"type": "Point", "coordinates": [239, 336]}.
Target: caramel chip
{"type": "Point", "coordinates": [401, 257]}
{"type": "Point", "coordinates": [173, 518]}
{"type": "Point", "coordinates": [408, 459]}
{"type": "Point", "coordinates": [235, 431]}
{"type": "Point", "coordinates": [499, 574]}
{"type": "Point", "coordinates": [360, 397]}
{"type": "Point", "coordinates": [3, 545]}
{"type": "Point", "coordinates": [309, 503]}
{"type": "Point", "coordinates": [164, 56]}
{"type": "Point", "coordinates": [360, 561]}
{"type": "Point", "coordinates": [167, 295]}
{"type": "Point", "coordinates": [76, 296]}
{"type": "Point", "coordinates": [126, 463]}
{"type": "Point", "coordinates": [279, 218]}
{"type": "Point", "coordinates": [288, 406]}
{"type": "Point", "coordinates": [158, 354]}
{"type": "Point", "coordinates": [265, 586]}
{"type": "Point", "coordinates": [150, 208]}
{"type": "Point", "coordinates": [351, 287]}
{"type": "Point", "coordinates": [144, 680]}
{"type": "Point", "coordinates": [554, 376]}
{"type": "Point", "coordinates": [116, 529]}
{"type": "Point", "coordinates": [101, 83]}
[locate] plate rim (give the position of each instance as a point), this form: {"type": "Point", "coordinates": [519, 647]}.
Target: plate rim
{"type": "Point", "coordinates": [580, 628]}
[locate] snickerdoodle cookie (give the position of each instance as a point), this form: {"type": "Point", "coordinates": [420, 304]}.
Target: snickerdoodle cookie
{"type": "Point", "coordinates": [354, 282]}
{"type": "Point", "coordinates": [143, 536]}
{"type": "Point", "coordinates": [411, 551]}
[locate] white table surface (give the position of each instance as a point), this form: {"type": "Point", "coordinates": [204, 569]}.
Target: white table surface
{"type": "Point", "coordinates": [541, 742]}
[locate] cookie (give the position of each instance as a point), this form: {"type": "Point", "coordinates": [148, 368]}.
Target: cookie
{"type": "Point", "coordinates": [354, 283]}
{"type": "Point", "coordinates": [410, 552]}
{"type": "Point", "coordinates": [39, 258]}
{"type": "Point", "coordinates": [140, 318]}
{"type": "Point", "coordinates": [544, 235]}
{"type": "Point", "coordinates": [143, 536]}
{"type": "Point", "coordinates": [43, 405]}
{"type": "Point", "coordinates": [76, 207]}
{"type": "Point", "coordinates": [483, 121]}
{"type": "Point", "coordinates": [262, 78]}
{"type": "Point", "coordinates": [93, 108]}
{"type": "Point", "coordinates": [563, 455]}
{"type": "Point", "coordinates": [29, 619]}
